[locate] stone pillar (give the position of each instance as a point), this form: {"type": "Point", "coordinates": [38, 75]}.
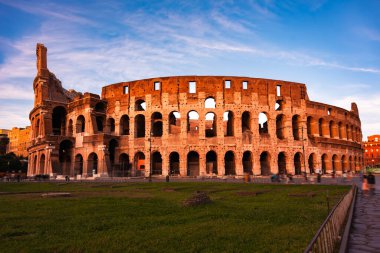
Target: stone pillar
{"type": "Point", "coordinates": [239, 163]}
{"type": "Point", "coordinates": [221, 165]}
{"type": "Point", "coordinates": [102, 160]}
{"type": "Point", "coordinates": [202, 163]}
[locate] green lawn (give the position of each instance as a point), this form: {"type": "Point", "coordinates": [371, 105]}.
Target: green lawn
{"type": "Point", "coordinates": [143, 217]}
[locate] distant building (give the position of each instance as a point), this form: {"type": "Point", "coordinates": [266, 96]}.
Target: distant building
{"type": "Point", "coordinates": [371, 151]}
{"type": "Point", "coordinates": [19, 140]}
{"type": "Point", "coordinates": [4, 140]}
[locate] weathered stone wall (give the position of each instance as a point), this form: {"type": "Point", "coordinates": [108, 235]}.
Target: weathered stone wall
{"type": "Point", "coordinates": [135, 127]}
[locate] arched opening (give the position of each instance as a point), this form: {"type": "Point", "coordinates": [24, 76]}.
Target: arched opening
{"type": "Point", "coordinates": [310, 131]}
{"type": "Point", "coordinates": [192, 122]}
{"type": "Point", "coordinates": [42, 164]}
{"type": "Point", "coordinates": [348, 133]}
{"type": "Point", "coordinates": [124, 125]}
{"type": "Point", "coordinates": [210, 125]}
{"type": "Point", "coordinates": [59, 120]}
{"type": "Point", "coordinates": [92, 164]}
{"type": "Point", "coordinates": [280, 126]}
{"type": "Point", "coordinates": [70, 128]}
{"type": "Point", "coordinates": [156, 163]}
{"type": "Point", "coordinates": [335, 163]}
{"type": "Point", "coordinates": [263, 123]}
{"type": "Point", "coordinates": [296, 127]}
{"type": "Point", "coordinates": [100, 123]}
{"type": "Point", "coordinates": [113, 144]}
{"type": "Point", "coordinates": [78, 165]}
{"type": "Point", "coordinates": [311, 162]}
{"type": "Point", "coordinates": [80, 126]}
{"type": "Point", "coordinates": [210, 102]}
{"type": "Point", "coordinates": [265, 163]}
{"type": "Point", "coordinates": [140, 164]}
{"type": "Point", "coordinates": [320, 127]}
{"type": "Point", "coordinates": [278, 105]}
{"type": "Point", "coordinates": [350, 164]}
{"type": "Point", "coordinates": [37, 131]}
{"type": "Point", "coordinates": [228, 123]}
{"type": "Point", "coordinates": [100, 107]}
{"type": "Point", "coordinates": [125, 166]}
{"type": "Point", "coordinates": [297, 163]}
{"type": "Point", "coordinates": [229, 163]}
{"type": "Point", "coordinates": [281, 160]}
{"type": "Point", "coordinates": [344, 163]}
{"type": "Point", "coordinates": [324, 163]}
{"type": "Point", "coordinates": [35, 166]}
{"type": "Point", "coordinates": [174, 123]}
{"type": "Point", "coordinates": [246, 122]}
{"type": "Point", "coordinates": [211, 163]}
{"type": "Point", "coordinates": [156, 124]}
{"type": "Point", "coordinates": [139, 126]}
{"type": "Point", "coordinates": [65, 154]}
{"type": "Point", "coordinates": [140, 105]}
{"type": "Point", "coordinates": [193, 164]}
{"type": "Point", "coordinates": [110, 126]}
{"type": "Point", "coordinates": [247, 162]}
{"type": "Point", "coordinates": [341, 130]}
{"type": "Point", "coordinates": [174, 163]}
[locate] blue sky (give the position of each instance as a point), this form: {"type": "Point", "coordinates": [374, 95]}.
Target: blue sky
{"type": "Point", "coordinates": [331, 46]}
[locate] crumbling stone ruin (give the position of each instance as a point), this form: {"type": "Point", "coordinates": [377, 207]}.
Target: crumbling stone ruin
{"type": "Point", "coordinates": [188, 126]}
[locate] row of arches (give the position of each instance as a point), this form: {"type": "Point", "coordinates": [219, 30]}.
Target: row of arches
{"type": "Point", "coordinates": [332, 129]}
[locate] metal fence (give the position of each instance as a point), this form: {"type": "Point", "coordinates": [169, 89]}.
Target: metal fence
{"type": "Point", "coordinates": [329, 233]}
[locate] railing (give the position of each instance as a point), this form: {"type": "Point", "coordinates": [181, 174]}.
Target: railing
{"type": "Point", "coordinates": [329, 233]}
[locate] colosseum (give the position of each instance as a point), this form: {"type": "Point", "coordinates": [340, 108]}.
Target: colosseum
{"type": "Point", "coordinates": [188, 126]}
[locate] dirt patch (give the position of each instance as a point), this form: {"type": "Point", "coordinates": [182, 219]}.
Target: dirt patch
{"type": "Point", "coordinates": [198, 198]}
{"type": "Point", "coordinates": [168, 190]}
{"type": "Point", "coordinates": [255, 193]}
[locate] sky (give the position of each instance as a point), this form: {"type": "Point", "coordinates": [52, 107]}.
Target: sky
{"type": "Point", "coordinates": [331, 46]}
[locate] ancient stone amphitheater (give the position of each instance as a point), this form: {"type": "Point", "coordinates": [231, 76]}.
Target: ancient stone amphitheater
{"type": "Point", "coordinates": [188, 126]}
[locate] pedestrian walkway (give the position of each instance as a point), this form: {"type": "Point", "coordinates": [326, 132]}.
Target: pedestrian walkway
{"type": "Point", "coordinates": [365, 228]}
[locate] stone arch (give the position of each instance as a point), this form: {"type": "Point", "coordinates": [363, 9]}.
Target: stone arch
{"type": "Point", "coordinates": [312, 163]}
{"type": "Point", "coordinates": [78, 164]}
{"type": "Point", "coordinates": [35, 165]}
{"type": "Point", "coordinates": [174, 163]}
{"type": "Point", "coordinates": [110, 126]}
{"type": "Point", "coordinates": [100, 123]}
{"type": "Point", "coordinates": [247, 162]}
{"type": "Point", "coordinates": [112, 146]}
{"type": "Point", "coordinates": [193, 164]}
{"type": "Point", "coordinates": [210, 102]}
{"type": "Point", "coordinates": [100, 107]}
{"type": "Point", "coordinates": [344, 163]}
{"type": "Point", "coordinates": [80, 124]}
{"type": "Point", "coordinates": [140, 105]}
{"type": "Point", "coordinates": [265, 163]}
{"type": "Point", "coordinates": [37, 131]}
{"type": "Point", "coordinates": [139, 126]}
{"type": "Point", "coordinates": [335, 163]}
{"type": "Point", "coordinates": [210, 125]}
{"type": "Point", "coordinates": [321, 127]}
{"type": "Point", "coordinates": [139, 163]}
{"type": "Point", "coordinates": [192, 122]}
{"type": "Point", "coordinates": [92, 164]}
{"type": "Point", "coordinates": [156, 124]}
{"type": "Point", "coordinates": [246, 122]}
{"type": "Point", "coordinates": [42, 164]}
{"type": "Point", "coordinates": [351, 166]}
{"type": "Point", "coordinates": [333, 128]}
{"type": "Point", "coordinates": [348, 132]}
{"type": "Point", "coordinates": [65, 154]}
{"type": "Point", "coordinates": [280, 126]}
{"type": "Point", "coordinates": [341, 130]}
{"type": "Point", "coordinates": [228, 123]}
{"type": "Point", "coordinates": [174, 122]}
{"type": "Point", "coordinates": [124, 125]}
{"type": "Point", "coordinates": [325, 163]}
{"type": "Point", "coordinates": [298, 163]}
{"type": "Point", "coordinates": [281, 161]}
{"type": "Point", "coordinates": [156, 163]}
{"type": "Point", "coordinates": [263, 123]}
{"type": "Point", "coordinates": [229, 163]}
{"type": "Point", "coordinates": [211, 162]}
{"type": "Point", "coordinates": [125, 166]}
{"type": "Point", "coordinates": [296, 126]}
{"type": "Point", "coordinates": [59, 120]}
{"type": "Point", "coordinates": [311, 126]}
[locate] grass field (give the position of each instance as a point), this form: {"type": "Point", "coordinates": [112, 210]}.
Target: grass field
{"type": "Point", "coordinates": [143, 217]}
